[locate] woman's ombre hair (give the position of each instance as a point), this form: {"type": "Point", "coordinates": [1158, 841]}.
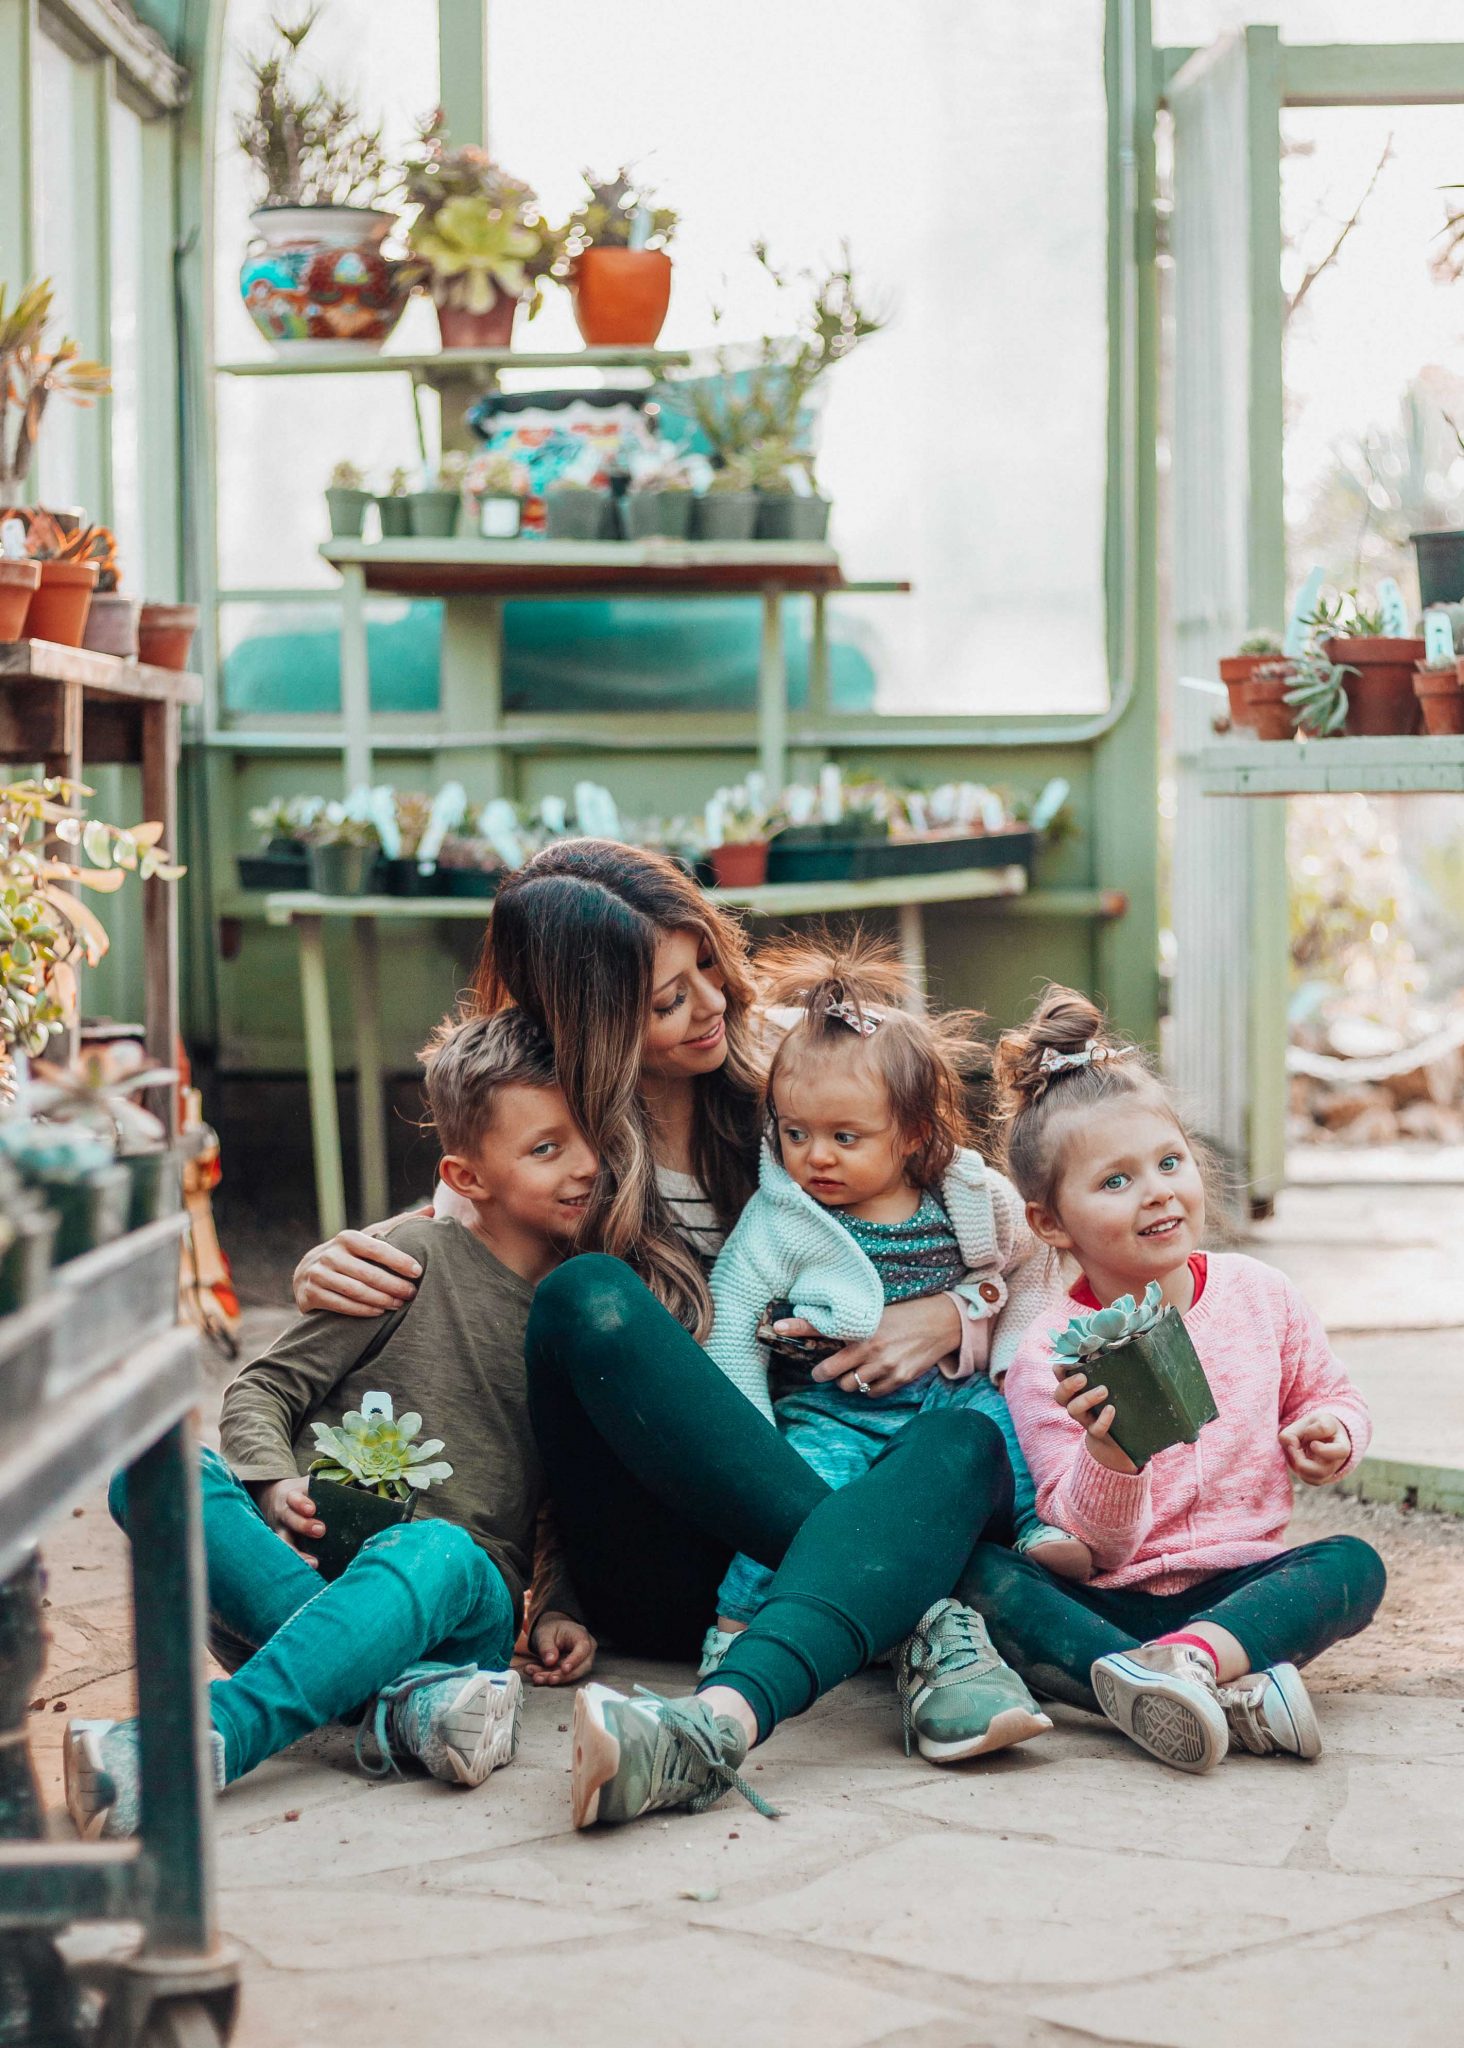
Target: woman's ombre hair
{"type": "Point", "coordinates": [573, 942]}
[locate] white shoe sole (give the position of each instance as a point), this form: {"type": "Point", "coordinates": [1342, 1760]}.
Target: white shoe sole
{"type": "Point", "coordinates": [82, 1763]}
{"type": "Point", "coordinates": [481, 1732]}
{"type": "Point", "coordinates": [596, 1756]}
{"type": "Point", "coordinates": [1291, 1717]}
{"type": "Point", "coordinates": [1004, 1731]}
{"type": "Point", "coordinates": [1174, 1721]}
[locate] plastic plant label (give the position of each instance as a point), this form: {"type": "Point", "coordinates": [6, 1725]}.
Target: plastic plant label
{"type": "Point", "coordinates": [377, 1404]}
{"type": "Point", "coordinates": [1301, 611]}
{"type": "Point", "coordinates": [595, 811]}
{"type": "Point", "coordinates": [447, 808]}
{"type": "Point", "coordinates": [1393, 609]}
{"type": "Point", "coordinates": [382, 813]}
{"type": "Point", "coordinates": [1438, 637]}
{"type": "Point", "coordinates": [830, 794]}
{"type": "Point", "coordinates": [12, 540]}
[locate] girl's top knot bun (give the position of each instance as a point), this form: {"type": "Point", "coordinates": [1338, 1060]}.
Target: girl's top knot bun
{"type": "Point", "coordinates": [1064, 1023]}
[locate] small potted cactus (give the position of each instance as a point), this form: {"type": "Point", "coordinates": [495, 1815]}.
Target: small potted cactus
{"type": "Point", "coordinates": [659, 503]}
{"type": "Point", "coordinates": [1142, 1352]}
{"type": "Point", "coordinates": [738, 830]}
{"type": "Point", "coordinates": [368, 1474]}
{"type": "Point", "coordinates": [790, 506]}
{"type": "Point", "coordinates": [436, 510]}
{"type": "Point", "coordinates": [343, 852]}
{"type": "Point", "coordinates": [575, 511]}
{"type": "Point", "coordinates": [394, 506]}
{"type": "Point", "coordinates": [283, 859]}
{"type": "Point", "coordinates": [1380, 695]}
{"type": "Point", "coordinates": [470, 867]}
{"type": "Point", "coordinates": [1256, 652]}
{"type": "Point", "coordinates": [1436, 679]}
{"type": "Point", "coordinates": [495, 487]}
{"type": "Point", "coordinates": [727, 509]}
{"type": "Point", "coordinates": [1315, 698]}
{"type": "Point", "coordinates": [346, 499]}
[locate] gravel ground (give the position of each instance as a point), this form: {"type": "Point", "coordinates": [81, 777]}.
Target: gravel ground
{"type": "Point", "coordinates": [1416, 1645]}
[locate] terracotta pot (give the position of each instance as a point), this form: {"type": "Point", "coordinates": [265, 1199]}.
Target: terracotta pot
{"type": "Point", "coordinates": [493, 329]}
{"type": "Point", "coordinates": [59, 608]}
{"type": "Point", "coordinates": [1381, 700]}
{"type": "Point", "coordinates": [1236, 671]}
{"type": "Point", "coordinates": [741, 866]}
{"type": "Point", "coordinates": [18, 584]}
{"type": "Point", "coordinates": [620, 296]}
{"type": "Point", "coordinates": [166, 634]}
{"type": "Point", "coordinates": [111, 625]}
{"type": "Point", "coordinates": [1268, 715]}
{"type": "Point", "coordinates": [316, 274]}
{"type": "Point", "coordinates": [1440, 693]}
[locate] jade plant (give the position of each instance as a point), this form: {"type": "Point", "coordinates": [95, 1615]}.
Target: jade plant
{"type": "Point", "coordinates": [377, 1453]}
{"type": "Point", "coordinates": [1107, 1328]}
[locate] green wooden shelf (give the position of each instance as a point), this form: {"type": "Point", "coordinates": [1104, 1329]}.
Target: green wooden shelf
{"type": "Point", "coordinates": [428, 366]}
{"type": "Point", "coordinates": [1382, 767]}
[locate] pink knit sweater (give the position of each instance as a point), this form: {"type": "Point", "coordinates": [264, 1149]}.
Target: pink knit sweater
{"type": "Point", "coordinates": [1209, 1506]}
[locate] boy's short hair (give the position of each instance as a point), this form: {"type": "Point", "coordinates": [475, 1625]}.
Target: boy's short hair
{"type": "Point", "coordinates": [468, 1060]}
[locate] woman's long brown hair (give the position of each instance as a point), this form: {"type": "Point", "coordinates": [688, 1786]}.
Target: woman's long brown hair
{"type": "Point", "coordinates": [573, 942]}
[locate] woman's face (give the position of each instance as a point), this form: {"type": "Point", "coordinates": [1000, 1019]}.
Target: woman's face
{"type": "Point", "coordinates": [685, 1031]}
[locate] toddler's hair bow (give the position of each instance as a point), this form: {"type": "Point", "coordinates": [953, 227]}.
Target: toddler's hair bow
{"type": "Point", "coordinates": [1092, 1054]}
{"type": "Point", "coordinates": [857, 1020]}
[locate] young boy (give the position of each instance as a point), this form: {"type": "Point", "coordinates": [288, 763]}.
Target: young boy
{"type": "Point", "coordinates": [421, 1625]}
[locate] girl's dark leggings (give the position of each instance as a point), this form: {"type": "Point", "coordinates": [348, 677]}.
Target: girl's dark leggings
{"type": "Point", "coordinates": [1285, 1610]}
{"type": "Point", "coordinates": [660, 1470]}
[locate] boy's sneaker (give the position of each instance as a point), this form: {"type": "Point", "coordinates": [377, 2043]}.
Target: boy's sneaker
{"type": "Point", "coordinates": [715, 1645]}
{"type": "Point", "coordinates": [104, 1778]}
{"type": "Point", "coordinates": [1164, 1697]}
{"type": "Point", "coordinates": [957, 1697]}
{"type": "Point", "coordinates": [459, 1725]}
{"type": "Point", "coordinates": [634, 1756]}
{"type": "Point", "coordinates": [1271, 1714]}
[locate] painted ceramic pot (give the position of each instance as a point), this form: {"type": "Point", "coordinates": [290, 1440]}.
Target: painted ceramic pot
{"type": "Point", "coordinates": [317, 274]}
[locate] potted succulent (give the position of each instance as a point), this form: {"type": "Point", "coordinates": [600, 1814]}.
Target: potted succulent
{"type": "Point", "coordinates": [494, 485]}
{"type": "Point", "coordinates": [436, 510]}
{"type": "Point", "coordinates": [316, 271]}
{"type": "Point", "coordinates": [31, 374]}
{"type": "Point", "coordinates": [98, 1091]}
{"type": "Point", "coordinates": [404, 871]}
{"type": "Point", "coordinates": [283, 861]}
{"type": "Point", "coordinates": [575, 511]}
{"type": "Point", "coordinates": [1314, 700]}
{"type": "Point", "coordinates": [165, 634]}
{"type": "Point", "coordinates": [616, 265]}
{"type": "Point", "coordinates": [69, 575]}
{"type": "Point", "coordinates": [20, 579]}
{"type": "Point", "coordinates": [789, 505]}
{"type": "Point", "coordinates": [737, 833]}
{"type": "Point", "coordinates": [343, 852]}
{"type": "Point", "coordinates": [727, 510]}
{"type": "Point", "coordinates": [470, 867]}
{"type": "Point", "coordinates": [346, 498]}
{"type": "Point", "coordinates": [1380, 695]}
{"type": "Point", "coordinates": [659, 503]}
{"type": "Point", "coordinates": [1256, 651]}
{"type": "Point", "coordinates": [1155, 1380]}
{"type": "Point", "coordinates": [368, 1475]}
{"type": "Point", "coordinates": [1437, 679]}
{"type": "Point", "coordinates": [27, 1247]}
{"type": "Point", "coordinates": [394, 506]}
{"type": "Point", "coordinates": [76, 1175]}
{"type": "Point", "coordinates": [44, 925]}
{"type": "Point", "coordinates": [479, 240]}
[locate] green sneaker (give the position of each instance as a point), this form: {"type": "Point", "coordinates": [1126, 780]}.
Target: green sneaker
{"type": "Point", "coordinates": [634, 1756]}
{"type": "Point", "coordinates": [460, 1724]}
{"type": "Point", "coordinates": [957, 1697]}
{"type": "Point", "coordinates": [103, 1773]}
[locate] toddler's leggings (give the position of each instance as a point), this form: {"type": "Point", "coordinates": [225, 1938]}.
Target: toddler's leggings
{"type": "Point", "coordinates": [1284, 1610]}
{"type": "Point", "coordinates": [660, 1469]}
{"type": "Point", "coordinates": [421, 1594]}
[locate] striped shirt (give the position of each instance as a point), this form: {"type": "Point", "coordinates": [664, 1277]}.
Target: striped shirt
{"type": "Point", "coordinates": [917, 1257]}
{"type": "Point", "coordinates": [691, 1211]}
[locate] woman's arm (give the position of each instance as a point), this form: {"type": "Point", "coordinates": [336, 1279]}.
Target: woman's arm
{"type": "Point", "coordinates": [356, 1273]}
{"type": "Point", "coordinates": [911, 1338]}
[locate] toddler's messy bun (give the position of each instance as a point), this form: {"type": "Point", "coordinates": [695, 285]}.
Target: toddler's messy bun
{"type": "Point", "coordinates": [1064, 1022]}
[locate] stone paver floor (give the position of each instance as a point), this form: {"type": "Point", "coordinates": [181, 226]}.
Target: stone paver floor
{"type": "Point", "coordinates": [1066, 1891]}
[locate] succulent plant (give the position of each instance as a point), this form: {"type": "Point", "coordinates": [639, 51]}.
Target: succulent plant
{"type": "Point", "coordinates": [377, 1453]}
{"type": "Point", "coordinates": [1107, 1328]}
{"type": "Point", "coordinates": [346, 477]}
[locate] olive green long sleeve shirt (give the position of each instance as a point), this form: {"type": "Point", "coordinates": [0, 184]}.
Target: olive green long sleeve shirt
{"type": "Point", "coordinates": [454, 1355]}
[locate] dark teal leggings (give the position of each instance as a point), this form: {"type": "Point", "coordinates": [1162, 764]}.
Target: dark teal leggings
{"type": "Point", "coordinates": [1285, 1610]}
{"type": "Point", "coordinates": [660, 1469]}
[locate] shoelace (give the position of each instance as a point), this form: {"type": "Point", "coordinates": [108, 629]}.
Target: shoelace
{"type": "Point", "coordinates": [378, 1723]}
{"type": "Point", "coordinates": [948, 1643]}
{"type": "Point", "coordinates": [693, 1759]}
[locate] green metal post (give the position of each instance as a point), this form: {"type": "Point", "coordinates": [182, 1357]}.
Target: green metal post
{"type": "Point", "coordinates": [462, 63]}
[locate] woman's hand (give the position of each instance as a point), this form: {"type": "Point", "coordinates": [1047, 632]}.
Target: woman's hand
{"type": "Point", "coordinates": [287, 1507]}
{"type": "Point", "coordinates": [355, 1274]}
{"type": "Point", "coordinates": [561, 1651]}
{"type": "Point", "coordinates": [911, 1338]}
{"type": "Point", "coordinates": [1317, 1446]}
{"type": "Point", "coordinates": [1091, 1407]}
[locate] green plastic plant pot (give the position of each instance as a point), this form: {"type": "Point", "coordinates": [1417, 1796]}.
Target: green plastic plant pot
{"type": "Point", "coordinates": [25, 1269]}
{"type": "Point", "coordinates": [725, 516]}
{"type": "Point", "coordinates": [395, 515]}
{"type": "Point", "coordinates": [579, 515]}
{"type": "Point", "coordinates": [341, 870]}
{"type": "Point", "coordinates": [792, 518]}
{"type": "Point", "coordinates": [1158, 1388]}
{"type": "Point", "coordinates": [351, 1517]}
{"type": "Point", "coordinates": [658, 515]}
{"type": "Point", "coordinates": [477, 882]}
{"type": "Point", "coordinates": [156, 1189]}
{"type": "Point", "coordinates": [89, 1212]}
{"type": "Point", "coordinates": [347, 513]}
{"type": "Point", "coordinates": [435, 514]}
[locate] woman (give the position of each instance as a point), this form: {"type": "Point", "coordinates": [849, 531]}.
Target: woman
{"type": "Point", "coordinates": [658, 1466]}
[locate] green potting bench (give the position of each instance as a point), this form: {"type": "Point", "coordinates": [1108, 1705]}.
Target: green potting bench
{"type": "Point", "coordinates": [993, 889]}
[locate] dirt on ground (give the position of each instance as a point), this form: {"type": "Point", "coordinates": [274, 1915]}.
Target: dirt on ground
{"type": "Point", "coordinates": [1416, 1645]}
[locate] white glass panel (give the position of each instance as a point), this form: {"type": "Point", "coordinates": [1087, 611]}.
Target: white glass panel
{"type": "Point", "coordinates": [62, 228]}
{"type": "Point", "coordinates": [126, 198]}
{"type": "Point", "coordinates": [965, 448]}
{"type": "Point", "coordinates": [279, 438]}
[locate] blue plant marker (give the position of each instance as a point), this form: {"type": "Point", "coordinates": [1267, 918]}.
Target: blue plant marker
{"type": "Point", "coordinates": [1301, 611]}
{"type": "Point", "coordinates": [1438, 637]}
{"type": "Point", "coordinates": [1393, 609]}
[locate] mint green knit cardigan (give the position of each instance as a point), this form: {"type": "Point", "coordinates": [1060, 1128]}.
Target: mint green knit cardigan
{"type": "Point", "coordinates": [785, 1247]}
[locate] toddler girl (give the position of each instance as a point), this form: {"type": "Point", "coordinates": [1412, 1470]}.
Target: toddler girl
{"type": "Point", "coordinates": [867, 1195]}
{"type": "Point", "coordinates": [1189, 1634]}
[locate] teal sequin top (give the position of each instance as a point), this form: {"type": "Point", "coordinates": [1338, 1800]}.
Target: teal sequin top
{"type": "Point", "coordinates": [917, 1257]}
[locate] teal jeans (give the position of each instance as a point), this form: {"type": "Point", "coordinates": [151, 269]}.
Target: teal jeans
{"type": "Point", "coordinates": [307, 1653]}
